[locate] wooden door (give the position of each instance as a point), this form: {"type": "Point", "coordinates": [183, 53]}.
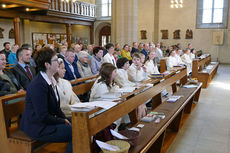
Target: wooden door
{"type": "Point", "coordinates": [105, 35]}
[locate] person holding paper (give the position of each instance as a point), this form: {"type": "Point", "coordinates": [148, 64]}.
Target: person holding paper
{"type": "Point", "coordinates": [64, 87]}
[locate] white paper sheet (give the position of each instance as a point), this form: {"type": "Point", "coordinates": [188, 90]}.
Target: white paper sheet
{"type": "Point", "coordinates": [107, 146]}
{"type": "Point", "coordinates": [173, 98]}
{"type": "Point", "coordinates": [126, 89]}
{"type": "Point", "coordinates": [118, 135]}
{"type": "Point", "coordinates": [134, 129]}
{"type": "Point", "coordinates": [190, 86]}
{"type": "Point", "coordinates": [102, 104]}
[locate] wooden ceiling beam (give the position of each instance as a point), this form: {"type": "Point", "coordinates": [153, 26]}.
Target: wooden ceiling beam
{"type": "Point", "coordinates": [8, 6]}
{"type": "Point", "coordinates": [42, 4]}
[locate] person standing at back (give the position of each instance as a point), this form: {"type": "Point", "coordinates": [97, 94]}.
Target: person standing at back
{"type": "Point", "coordinates": [6, 50]}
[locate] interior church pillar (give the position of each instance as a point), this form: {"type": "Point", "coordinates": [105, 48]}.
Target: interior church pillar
{"type": "Point", "coordinates": [124, 21]}
{"type": "Point", "coordinates": [16, 30]}
{"type": "Point", "coordinates": [68, 34]}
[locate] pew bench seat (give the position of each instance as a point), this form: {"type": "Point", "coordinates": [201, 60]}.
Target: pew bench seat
{"type": "Point", "coordinates": [205, 76]}
{"type": "Point", "coordinates": [152, 135]}
{"type": "Point", "coordinates": [12, 140]}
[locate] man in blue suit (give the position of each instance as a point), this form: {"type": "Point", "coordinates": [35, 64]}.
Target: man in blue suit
{"type": "Point", "coordinates": [43, 119]}
{"type": "Point", "coordinates": [70, 66]}
{"type": "Point", "coordinates": [145, 51]}
{"type": "Point", "coordinates": [76, 50]}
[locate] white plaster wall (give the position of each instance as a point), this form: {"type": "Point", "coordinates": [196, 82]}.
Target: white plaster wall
{"type": "Point", "coordinates": [185, 18]}
{"type": "Point", "coordinates": [47, 27]}
{"type": "Point", "coordinates": [6, 24]}
{"type": "Point", "coordinates": [146, 19]}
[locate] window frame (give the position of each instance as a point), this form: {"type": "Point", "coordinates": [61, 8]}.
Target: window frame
{"type": "Point", "coordinates": [109, 12]}
{"type": "Point", "coordinates": [200, 25]}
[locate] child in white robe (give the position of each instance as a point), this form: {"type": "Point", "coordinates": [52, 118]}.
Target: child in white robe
{"type": "Point", "coordinates": [151, 64]}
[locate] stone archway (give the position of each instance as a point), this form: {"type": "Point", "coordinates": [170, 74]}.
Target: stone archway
{"type": "Point", "coordinates": [105, 35]}
{"type": "Point", "coordinates": [98, 28]}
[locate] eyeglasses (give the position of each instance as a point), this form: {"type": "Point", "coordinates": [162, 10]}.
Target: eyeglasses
{"type": "Point", "coordinates": [55, 60]}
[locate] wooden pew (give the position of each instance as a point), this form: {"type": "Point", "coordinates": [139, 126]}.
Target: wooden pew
{"type": "Point", "coordinates": [83, 85]}
{"type": "Point", "coordinates": [73, 82]}
{"type": "Point", "coordinates": [12, 140]}
{"type": "Point", "coordinates": [85, 127]}
{"type": "Point", "coordinates": [9, 66]}
{"type": "Point", "coordinates": [204, 75]}
{"type": "Point", "coordinates": [163, 66]}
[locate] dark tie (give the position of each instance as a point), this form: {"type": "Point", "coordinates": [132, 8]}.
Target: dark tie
{"type": "Point", "coordinates": [113, 62]}
{"type": "Point", "coordinates": [28, 72]}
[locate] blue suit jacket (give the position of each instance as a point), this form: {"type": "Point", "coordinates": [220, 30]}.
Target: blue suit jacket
{"type": "Point", "coordinates": [145, 53]}
{"type": "Point", "coordinates": [68, 73]}
{"type": "Point", "coordinates": [42, 111]}
{"type": "Point", "coordinates": [75, 59]}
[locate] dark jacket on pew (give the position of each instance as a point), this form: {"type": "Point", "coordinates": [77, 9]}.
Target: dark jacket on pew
{"type": "Point", "coordinates": [42, 110]}
{"type": "Point", "coordinates": [68, 74]}
{"type": "Point", "coordinates": [10, 85]}
{"type": "Point", "coordinates": [22, 76]}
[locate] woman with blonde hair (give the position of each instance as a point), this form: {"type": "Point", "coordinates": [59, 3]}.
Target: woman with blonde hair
{"type": "Point", "coordinates": [66, 94]}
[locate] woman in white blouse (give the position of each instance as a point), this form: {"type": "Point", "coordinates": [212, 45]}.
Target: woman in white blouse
{"type": "Point", "coordinates": [122, 75]}
{"type": "Point", "coordinates": [104, 87]}
{"type": "Point", "coordinates": [187, 60]}
{"type": "Point", "coordinates": [66, 94]}
{"type": "Point", "coordinates": [151, 64]}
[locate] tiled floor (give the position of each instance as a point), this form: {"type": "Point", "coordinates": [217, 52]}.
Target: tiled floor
{"type": "Point", "coordinates": [207, 130]}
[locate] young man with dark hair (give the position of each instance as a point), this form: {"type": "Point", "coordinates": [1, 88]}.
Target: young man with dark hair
{"type": "Point", "coordinates": [23, 71]}
{"type": "Point", "coordinates": [6, 50]}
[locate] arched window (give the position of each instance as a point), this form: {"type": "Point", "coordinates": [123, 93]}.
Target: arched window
{"type": "Point", "coordinates": [212, 13]}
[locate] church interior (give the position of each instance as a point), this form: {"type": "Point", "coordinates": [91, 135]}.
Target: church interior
{"type": "Point", "coordinates": [195, 123]}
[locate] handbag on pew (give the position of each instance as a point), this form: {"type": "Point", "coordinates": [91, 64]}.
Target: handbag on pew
{"type": "Point", "coordinates": [104, 135]}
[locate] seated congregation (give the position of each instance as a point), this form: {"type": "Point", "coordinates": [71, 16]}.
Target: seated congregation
{"type": "Point", "coordinates": [50, 81]}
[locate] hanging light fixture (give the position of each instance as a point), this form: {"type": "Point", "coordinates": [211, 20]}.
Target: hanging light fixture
{"type": "Point", "coordinates": [176, 4]}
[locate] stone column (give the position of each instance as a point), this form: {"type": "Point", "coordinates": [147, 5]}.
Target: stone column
{"type": "Point", "coordinates": [124, 21]}
{"type": "Point", "coordinates": [156, 21]}
{"type": "Point", "coordinates": [27, 36]}
{"type": "Point", "coordinates": [16, 30]}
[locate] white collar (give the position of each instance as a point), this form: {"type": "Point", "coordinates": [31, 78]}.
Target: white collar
{"type": "Point", "coordinates": [45, 76]}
